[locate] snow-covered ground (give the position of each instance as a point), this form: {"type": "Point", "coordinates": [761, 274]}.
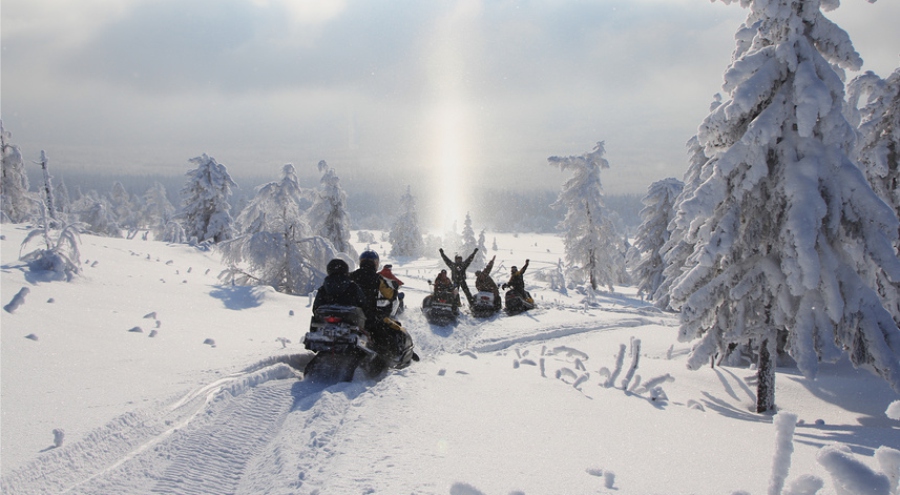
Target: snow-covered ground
{"type": "Point", "coordinates": [164, 381]}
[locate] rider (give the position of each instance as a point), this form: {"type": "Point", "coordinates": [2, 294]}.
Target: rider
{"type": "Point", "coordinates": [338, 289]}
{"type": "Point", "coordinates": [395, 284]}
{"type": "Point", "coordinates": [484, 282]}
{"type": "Point", "coordinates": [386, 333]}
{"type": "Point", "coordinates": [443, 285]}
{"type": "Point", "coordinates": [517, 282]}
{"type": "Point", "coordinates": [458, 271]}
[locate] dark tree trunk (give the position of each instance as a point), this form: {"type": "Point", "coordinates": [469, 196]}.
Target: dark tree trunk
{"type": "Point", "coordinates": [765, 377]}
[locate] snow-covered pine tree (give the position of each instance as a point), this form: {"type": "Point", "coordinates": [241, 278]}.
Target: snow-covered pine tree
{"type": "Point", "coordinates": [275, 246]}
{"type": "Point", "coordinates": [406, 236]}
{"type": "Point", "coordinates": [878, 156]}
{"type": "Point", "coordinates": [328, 215]}
{"type": "Point", "coordinates": [591, 242]}
{"type": "Point", "coordinates": [157, 211]}
{"type": "Point", "coordinates": [677, 249]}
{"type": "Point", "coordinates": [469, 243]}
{"type": "Point", "coordinates": [121, 206]}
{"type": "Point", "coordinates": [786, 230]}
{"type": "Point", "coordinates": [878, 148]}
{"type": "Point", "coordinates": [63, 201]}
{"type": "Point", "coordinates": [205, 207]}
{"type": "Point", "coordinates": [98, 220]}
{"type": "Point", "coordinates": [481, 256]}
{"type": "Point", "coordinates": [653, 233]}
{"type": "Point", "coordinates": [16, 204]}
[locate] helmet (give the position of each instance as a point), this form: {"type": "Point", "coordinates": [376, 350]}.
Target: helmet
{"type": "Point", "coordinates": [368, 257]}
{"type": "Point", "coordinates": [513, 269]}
{"type": "Point", "coordinates": [337, 266]}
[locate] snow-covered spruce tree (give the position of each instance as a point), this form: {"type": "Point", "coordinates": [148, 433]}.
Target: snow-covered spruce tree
{"type": "Point", "coordinates": [122, 206]}
{"type": "Point", "coordinates": [16, 204]}
{"type": "Point", "coordinates": [878, 155]}
{"type": "Point", "coordinates": [786, 230]}
{"type": "Point", "coordinates": [653, 233]}
{"type": "Point", "coordinates": [207, 216]}
{"type": "Point", "coordinates": [469, 243]}
{"type": "Point", "coordinates": [482, 251]}
{"type": "Point", "coordinates": [156, 211]}
{"type": "Point", "coordinates": [406, 236]}
{"type": "Point", "coordinates": [677, 249]}
{"type": "Point", "coordinates": [275, 246]}
{"type": "Point", "coordinates": [328, 215]}
{"type": "Point", "coordinates": [98, 220]}
{"type": "Point", "coordinates": [878, 149]}
{"type": "Point", "coordinates": [590, 239]}
{"type": "Point", "coordinates": [63, 201]}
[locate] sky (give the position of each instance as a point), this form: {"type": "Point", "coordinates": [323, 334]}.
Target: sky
{"type": "Point", "coordinates": [443, 95]}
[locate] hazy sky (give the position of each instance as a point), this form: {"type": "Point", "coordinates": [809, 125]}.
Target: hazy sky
{"type": "Point", "coordinates": [397, 91]}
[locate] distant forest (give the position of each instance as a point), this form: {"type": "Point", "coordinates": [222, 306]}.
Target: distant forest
{"type": "Point", "coordinates": [497, 210]}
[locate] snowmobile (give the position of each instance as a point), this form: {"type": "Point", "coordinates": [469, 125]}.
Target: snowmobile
{"type": "Point", "coordinates": [442, 307]}
{"type": "Point", "coordinates": [516, 304]}
{"type": "Point", "coordinates": [484, 304]}
{"type": "Point", "coordinates": [342, 344]}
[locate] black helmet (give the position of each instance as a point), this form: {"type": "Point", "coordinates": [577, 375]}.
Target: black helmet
{"type": "Point", "coordinates": [337, 266]}
{"type": "Point", "coordinates": [513, 269]}
{"type": "Point", "coordinates": [368, 257]}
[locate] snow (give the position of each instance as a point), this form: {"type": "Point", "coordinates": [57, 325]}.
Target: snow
{"type": "Point", "coordinates": [496, 406]}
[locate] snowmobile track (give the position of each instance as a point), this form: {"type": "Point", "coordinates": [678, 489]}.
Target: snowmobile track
{"type": "Point", "coordinates": [212, 458]}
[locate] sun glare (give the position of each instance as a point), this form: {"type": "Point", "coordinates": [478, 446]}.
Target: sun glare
{"type": "Point", "coordinates": [451, 151]}
{"type": "Point", "coordinates": [452, 172]}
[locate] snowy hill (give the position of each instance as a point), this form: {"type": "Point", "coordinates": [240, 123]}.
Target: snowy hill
{"type": "Point", "coordinates": [160, 380]}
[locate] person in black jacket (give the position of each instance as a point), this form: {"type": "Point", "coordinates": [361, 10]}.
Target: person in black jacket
{"type": "Point", "coordinates": [337, 288]}
{"type": "Point", "coordinates": [387, 334]}
{"type": "Point", "coordinates": [458, 271]}
{"type": "Point", "coordinates": [517, 281]}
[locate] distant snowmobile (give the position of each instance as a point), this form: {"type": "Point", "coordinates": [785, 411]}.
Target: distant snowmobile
{"type": "Point", "coordinates": [484, 304]}
{"type": "Point", "coordinates": [516, 304]}
{"type": "Point", "coordinates": [442, 307]}
{"type": "Point", "coordinates": [342, 345]}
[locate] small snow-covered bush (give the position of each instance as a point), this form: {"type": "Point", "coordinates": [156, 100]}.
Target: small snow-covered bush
{"type": "Point", "coordinates": [59, 256]}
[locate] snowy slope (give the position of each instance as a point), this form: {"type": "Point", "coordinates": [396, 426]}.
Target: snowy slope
{"type": "Point", "coordinates": [503, 405]}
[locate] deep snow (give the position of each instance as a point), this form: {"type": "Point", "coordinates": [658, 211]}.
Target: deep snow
{"type": "Point", "coordinates": [157, 379]}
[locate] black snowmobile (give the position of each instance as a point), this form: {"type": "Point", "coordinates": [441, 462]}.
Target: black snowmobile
{"type": "Point", "coordinates": [516, 304]}
{"type": "Point", "coordinates": [484, 304]}
{"type": "Point", "coordinates": [342, 344]}
{"type": "Point", "coordinates": [442, 307]}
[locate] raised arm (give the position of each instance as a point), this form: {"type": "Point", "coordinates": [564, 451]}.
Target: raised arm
{"type": "Point", "coordinates": [446, 259]}
{"type": "Point", "coordinates": [489, 266]}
